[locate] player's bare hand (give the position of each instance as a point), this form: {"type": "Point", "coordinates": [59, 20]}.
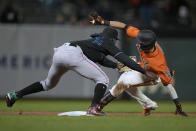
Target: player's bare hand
{"type": "Point", "coordinates": [151, 75]}
{"type": "Point", "coordinates": [96, 19]}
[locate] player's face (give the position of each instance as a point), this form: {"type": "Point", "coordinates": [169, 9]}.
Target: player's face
{"type": "Point", "coordinates": [149, 50]}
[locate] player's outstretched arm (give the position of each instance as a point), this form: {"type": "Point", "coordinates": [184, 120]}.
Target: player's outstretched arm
{"type": "Point", "coordinates": [96, 19]}
{"type": "Point", "coordinates": [117, 24]}
{"type": "Point", "coordinates": [110, 64]}
{"type": "Point", "coordinates": [123, 58]}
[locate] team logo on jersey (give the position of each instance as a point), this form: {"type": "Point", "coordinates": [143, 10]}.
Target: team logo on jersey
{"type": "Point", "coordinates": [98, 40]}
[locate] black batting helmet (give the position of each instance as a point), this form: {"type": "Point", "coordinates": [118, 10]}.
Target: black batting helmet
{"type": "Point", "coordinates": [110, 32]}
{"type": "Point", "coordinates": [146, 39]}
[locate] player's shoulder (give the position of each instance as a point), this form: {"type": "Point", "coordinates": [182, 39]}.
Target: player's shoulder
{"type": "Point", "coordinates": [159, 47]}
{"type": "Point", "coordinates": [108, 40]}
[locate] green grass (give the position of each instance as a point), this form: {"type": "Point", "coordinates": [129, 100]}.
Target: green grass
{"type": "Point", "coordinates": [112, 123]}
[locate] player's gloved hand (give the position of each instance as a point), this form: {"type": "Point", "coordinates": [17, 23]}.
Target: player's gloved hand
{"type": "Point", "coordinates": [124, 69]}
{"type": "Point", "coordinates": [120, 65]}
{"type": "Point", "coordinates": [151, 75]}
{"type": "Point", "coordinates": [96, 19]}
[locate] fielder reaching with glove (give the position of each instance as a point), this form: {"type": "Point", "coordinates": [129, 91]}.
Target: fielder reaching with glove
{"type": "Point", "coordinates": [81, 56]}
{"type": "Point", "coordinates": [151, 58]}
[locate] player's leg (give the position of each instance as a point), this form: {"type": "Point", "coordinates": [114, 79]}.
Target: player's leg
{"type": "Point", "coordinates": [133, 78]}
{"type": "Point", "coordinates": [127, 78]}
{"type": "Point", "coordinates": [173, 94]}
{"type": "Point", "coordinates": [109, 97]}
{"type": "Point", "coordinates": [12, 97]}
{"type": "Point", "coordinates": [144, 101]}
{"type": "Point", "coordinates": [138, 79]}
{"type": "Point", "coordinates": [90, 70]}
{"type": "Point", "coordinates": [168, 81]}
{"type": "Point", "coordinates": [54, 75]}
{"type": "Point", "coordinates": [52, 79]}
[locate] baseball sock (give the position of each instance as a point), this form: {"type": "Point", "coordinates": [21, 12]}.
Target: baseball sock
{"type": "Point", "coordinates": [98, 93]}
{"type": "Point", "coordinates": [176, 101]}
{"type": "Point", "coordinates": [106, 99]}
{"type": "Point", "coordinates": [33, 88]}
{"type": "Point", "coordinates": [173, 95]}
{"type": "Point", "coordinates": [178, 105]}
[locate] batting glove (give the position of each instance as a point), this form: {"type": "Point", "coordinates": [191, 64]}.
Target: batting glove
{"type": "Point", "coordinates": [96, 19]}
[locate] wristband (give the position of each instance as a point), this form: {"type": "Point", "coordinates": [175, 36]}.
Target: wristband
{"type": "Point", "coordinates": [125, 28]}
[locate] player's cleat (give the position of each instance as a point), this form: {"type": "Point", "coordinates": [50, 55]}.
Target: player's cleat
{"type": "Point", "coordinates": [95, 111]}
{"type": "Point", "coordinates": [149, 107]}
{"type": "Point", "coordinates": [11, 98]}
{"type": "Point", "coordinates": [179, 111]}
{"type": "Point", "coordinates": [146, 112]}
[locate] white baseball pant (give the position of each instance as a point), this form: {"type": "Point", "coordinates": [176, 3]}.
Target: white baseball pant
{"type": "Point", "coordinates": [68, 57]}
{"type": "Point", "coordinates": [128, 82]}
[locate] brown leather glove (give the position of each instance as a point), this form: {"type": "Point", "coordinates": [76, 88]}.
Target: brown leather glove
{"type": "Point", "coordinates": [125, 68]}
{"type": "Point", "coordinates": [120, 65]}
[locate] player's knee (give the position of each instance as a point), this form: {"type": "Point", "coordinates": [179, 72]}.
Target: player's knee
{"type": "Point", "coordinates": [122, 85]}
{"type": "Point", "coordinates": [118, 89]}
{"type": "Point", "coordinates": [47, 85]}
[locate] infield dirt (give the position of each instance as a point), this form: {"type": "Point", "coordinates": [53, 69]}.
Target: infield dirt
{"type": "Point", "coordinates": [106, 113]}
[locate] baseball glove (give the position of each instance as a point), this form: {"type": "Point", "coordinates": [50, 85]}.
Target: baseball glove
{"type": "Point", "coordinates": [96, 19]}
{"type": "Point", "coordinates": [125, 68]}
{"type": "Point", "coordinates": [120, 65]}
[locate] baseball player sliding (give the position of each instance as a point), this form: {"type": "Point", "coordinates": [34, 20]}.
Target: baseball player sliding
{"type": "Point", "coordinates": [81, 56]}
{"type": "Point", "coordinates": [151, 58]}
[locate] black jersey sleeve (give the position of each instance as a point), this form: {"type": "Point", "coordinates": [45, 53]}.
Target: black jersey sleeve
{"type": "Point", "coordinates": [111, 48]}
{"type": "Point", "coordinates": [108, 63]}
{"type": "Point", "coordinates": [94, 55]}
{"type": "Point", "coordinates": [123, 58]}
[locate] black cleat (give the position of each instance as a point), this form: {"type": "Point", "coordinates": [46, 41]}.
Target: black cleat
{"type": "Point", "coordinates": [11, 99]}
{"type": "Point", "coordinates": [179, 111]}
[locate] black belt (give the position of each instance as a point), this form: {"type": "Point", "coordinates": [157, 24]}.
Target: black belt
{"type": "Point", "coordinates": [73, 44]}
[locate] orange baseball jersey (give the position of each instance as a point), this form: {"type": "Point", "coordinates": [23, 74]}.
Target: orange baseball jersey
{"type": "Point", "coordinates": [155, 61]}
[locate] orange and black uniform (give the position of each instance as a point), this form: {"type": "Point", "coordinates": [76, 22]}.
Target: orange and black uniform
{"type": "Point", "coordinates": [155, 61]}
